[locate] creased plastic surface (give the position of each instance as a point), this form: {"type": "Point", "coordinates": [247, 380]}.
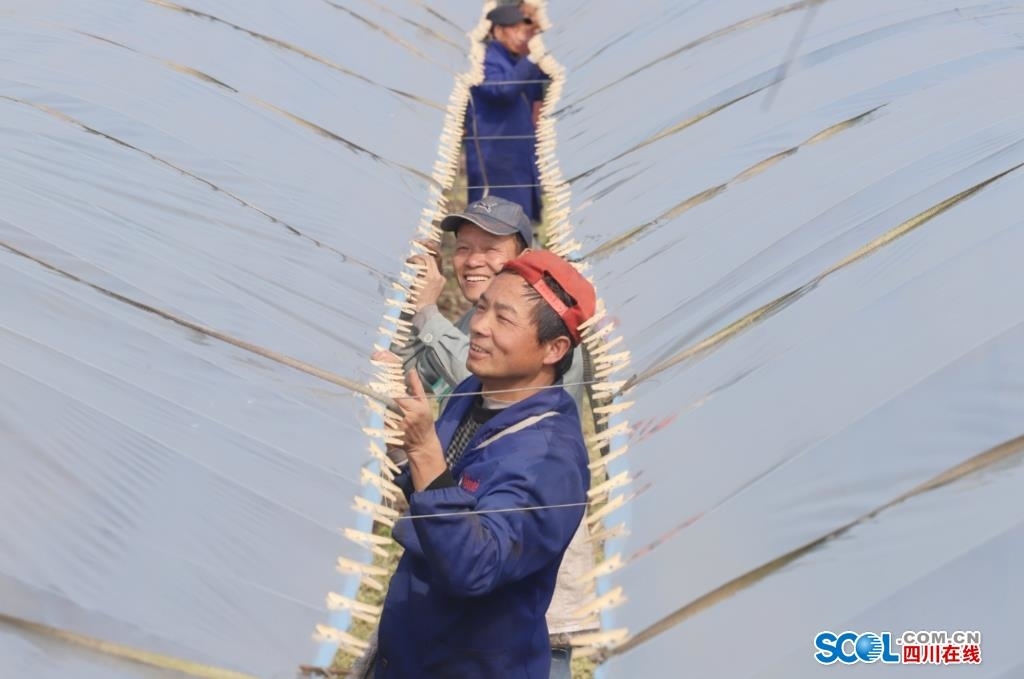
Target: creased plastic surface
{"type": "Point", "coordinates": [819, 283]}
{"type": "Point", "coordinates": [28, 654]}
{"type": "Point", "coordinates": [248, 167]}
{"type": "Point", "coordinates": [818, 280]}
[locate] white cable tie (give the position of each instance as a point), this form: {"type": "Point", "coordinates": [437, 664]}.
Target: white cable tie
{"type": "Point", "coordinates": [618, 481]}
{"type": "Point", "coordinates": [398, 322]}
{"type": "Point", "coordinates": [327, 634]}
{"type": "Point", "coordinates": [616, 531]}
{"type": "Point", "coordinates": [390, 436]}
{"type": "Point", "coordinates": [386, 488]}
{"type": "Point", "coordinates": [613, 504]}
{"type": "Point", "coordinates": [400, 304]}
{"type": "Point", "coordinates": [376, 507]}
{"type": "Point", "coordinates": [421, 249]}
{"type": "Point", "coordinates": [605, 460]}
{"type": "Point", "coordinates": [597, 337]}
{"type": "Point", "coordinates": [610, 387]}
{"type": "Point", "coordinates": [379, 512]}
{"type": "Point", "coordinates": [401, 288]}
{"type": "Point", "coordinates": [559, 231]}
{"type": "Point", "coordinates": [613, 408]}
{"type": "Point", "coordinates": [350, 567]}
{"type": "Point", "coordinates": [622, 428]}
{"type": "Point", "coordinates": [337, 602]}
{"type": "Point", "coordinates": [618, 358]}
{"type": "Point", "coordinates": [383, 388]}
{"type": "Point", "coordinates": [372, 583]}
{"type": "Point", "coordinates": [591, 322]}
{"type": "Point", "coordinates": [606, 567]}
{"type": "Point", "coordinates": [376, 432]}
{"type": "Point", "coordinates": [608, 371]}
{"type": "Point", "coordinates": [567, 247]}
{"type": "Point", "coordinates": [366, 617]}
{"type": "Point", "coordinates": [384, 365]}
{"type": "Point", "coordinates": [560, 217]}
{"type": "Point", "coordinates": [610, 600]}
{"type": "Point", "coordinates": [375, 543]}
{"type": "Point", "coordinates": [592, 641]}
{"type": "Point", "coordinates": [387, 463]}
{"type": "Point", "coordinates": [375, 407]}
{"type": "Point", "coordinates": [605, 347]}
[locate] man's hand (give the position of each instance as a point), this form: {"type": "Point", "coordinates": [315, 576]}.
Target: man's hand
{"type": "Point", "coordinates": [432, 248]}
{"type": "Point", "coordinates": [426, 459]}
{"type": "Point", "coordinates": [432, 280]}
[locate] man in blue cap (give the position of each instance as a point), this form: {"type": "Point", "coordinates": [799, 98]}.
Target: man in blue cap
{"type": "Point", "coordinates": [488, 233]}
{"type": "Point", "coordinates": [500, 137]}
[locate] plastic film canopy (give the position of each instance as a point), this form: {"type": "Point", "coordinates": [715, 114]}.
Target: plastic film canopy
{"type": "Point", "coordinates": [815, 264]}
{"type": "Point", "coordinates": [244, 167]}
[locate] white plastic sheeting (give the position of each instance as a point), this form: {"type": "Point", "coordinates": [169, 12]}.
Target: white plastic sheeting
{"type": "Point", "coordinates": [247, 167]}
{"type": "Point", "coordinates": [819, 282]}
{"type": "Point", "coordinates": [27, 653]}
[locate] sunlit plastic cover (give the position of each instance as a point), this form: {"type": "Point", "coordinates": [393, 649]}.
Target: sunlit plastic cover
{"type": "Point", "coordinates": [818, 279]}
{"type": "Point", "coordinates": [820, 284]}
{"type": "Point", "coordinates": [254, 168]}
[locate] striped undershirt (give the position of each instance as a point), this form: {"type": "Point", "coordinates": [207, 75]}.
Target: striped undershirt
{"type": "Point", "coordinates": [481, 411]}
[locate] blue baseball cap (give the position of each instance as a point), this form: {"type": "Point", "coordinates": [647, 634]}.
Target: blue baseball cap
{"type": "Point", "coordinates": [508, 15]}
{"type": "Point", "coordinates": [494, 215]}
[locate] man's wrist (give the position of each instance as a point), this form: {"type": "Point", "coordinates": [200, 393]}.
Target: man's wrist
{"type": "Point", "coordinates": [424, 314]}
{"type": "Point", "coordinates": [426, 465]}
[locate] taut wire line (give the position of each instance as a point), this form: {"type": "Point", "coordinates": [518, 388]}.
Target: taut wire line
{"type": "Point", "coordinates": [476, 512]}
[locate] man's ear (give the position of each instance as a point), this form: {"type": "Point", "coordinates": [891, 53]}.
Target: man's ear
{"type": "Point", "coordinates": [557, 349]}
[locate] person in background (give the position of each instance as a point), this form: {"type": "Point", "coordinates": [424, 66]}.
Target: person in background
{"type": "Point", "coordinates": [496, 489]}
{"type": "Point", "coordinates": [529, 10]}
{"type": "Point", "coordinates": [500, 132]}
{"type": "Point", "coordinates": [488, 233]}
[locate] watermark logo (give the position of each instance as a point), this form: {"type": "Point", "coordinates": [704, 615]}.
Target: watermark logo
{"type": "Point", "coordinates": [910, 648]}
{"type": "Point", "coordinates": [849, 647]}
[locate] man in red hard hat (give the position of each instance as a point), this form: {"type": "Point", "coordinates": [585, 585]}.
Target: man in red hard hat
{"type": "Point", "coordinates": [496, 487]}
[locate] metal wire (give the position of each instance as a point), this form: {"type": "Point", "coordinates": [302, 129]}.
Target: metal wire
{"type": "Point", "coordinates": [512, 82]}
{"type": "Point", "coordinates": [783, 70]}
{"type": "Point", "coordinates": [485, 392]}
{"type": "Point", "coordinates": [506, 186]}
{"type": "Point", "coordinates": [500, 137]}
{"type": "Point", "coordinates": [475, 512]}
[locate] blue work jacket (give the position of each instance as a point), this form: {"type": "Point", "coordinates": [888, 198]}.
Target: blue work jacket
{"type": "Point", "coordinates": [502, 106]}
{"type": "Point", "coordinates": [470, 593]}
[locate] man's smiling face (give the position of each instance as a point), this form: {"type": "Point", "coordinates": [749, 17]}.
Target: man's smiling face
{"type": "Point", "coordinates": [479, 256]}
{"type": "Point", "coordinates": [504, 349]}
